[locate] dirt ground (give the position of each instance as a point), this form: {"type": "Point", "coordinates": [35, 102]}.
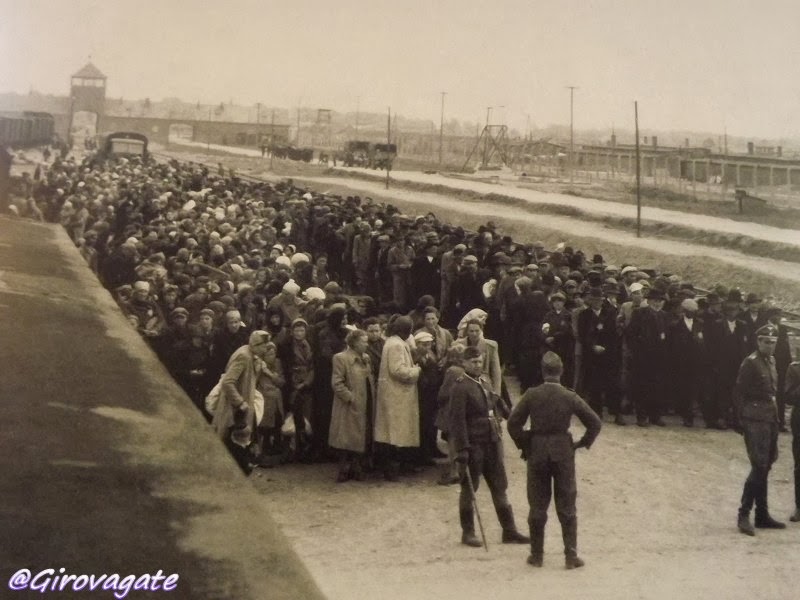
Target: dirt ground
{"type": "Point", "coordinates": [656, 512]}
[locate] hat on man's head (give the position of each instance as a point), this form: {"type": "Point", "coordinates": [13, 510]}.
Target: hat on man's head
{"type": "Point", "coordinates": [470, 259]}
{"type": "Point", "coordinates": [767, 331]}
{"type": "Point", "coordinates": [628, 269]}
{"type": "Point", "coordinates": [655, 294]}
{"type": "Point", "coordinates": [752, 298]}
{"type": "Point", "coordinates": [558, 296]}
{"type": "Point", "coordinates": [595, 292]}
{"type": "Point", "coordinates": [180, 311]}
{"type": "Point", "coordinates": [636, 287]}
{"type": "Point", "coordinates": [690, 305]}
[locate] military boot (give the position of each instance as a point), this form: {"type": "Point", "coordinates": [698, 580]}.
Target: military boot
{"type": "Point", "coordinates": [536, 558]}
{"type": "Point", "coordinates": [468, 537]}
{"type": "Point", "coordinates": [763, 519]}
{"type": "Point", "coordinates": [796, 516]}
{"type": "Point", "coordinates": [511, 534]}
{"type": "Point", "coordinates": [569, 532]}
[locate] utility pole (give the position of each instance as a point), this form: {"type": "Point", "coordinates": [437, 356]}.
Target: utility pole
{"type": "Point", "coordinates": [208, 137]}
{"type": "Point", "coordinates": [441, 131]}
{"type": "Point", "coordinates": [358, 106]}
{"type": "Point", "coordinates": [272, 139]}
{"type": "Point", "coordinates": [297, 141]}
{"type": "Point", "coordinates": [638, 177]}
{"type": "Point", "coordinates": [388, 141]}
{"type": "Point", "coordinates": [486, 130]}
{"type": "Point", "coordinates": [572, 89]}
{"type": "Point", "coordinates": [258, 113]}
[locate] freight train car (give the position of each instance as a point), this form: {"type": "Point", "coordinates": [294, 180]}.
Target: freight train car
{"type": "Point", "coordinates": [26, 129]}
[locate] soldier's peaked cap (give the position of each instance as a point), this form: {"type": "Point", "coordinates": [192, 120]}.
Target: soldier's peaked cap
{"type": "Point", "coordinates": [769, 331]}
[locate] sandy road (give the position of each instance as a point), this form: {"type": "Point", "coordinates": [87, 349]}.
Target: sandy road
{"type": "Point", "coordinates": [657, 520]}
{"type": "Point", "coordinates": [603, 207]}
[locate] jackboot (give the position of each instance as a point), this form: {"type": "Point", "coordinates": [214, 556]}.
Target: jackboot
{"type": "Point", "coordinates": [468, 537]}
{"type": "Point", "coordinates": [569, 532]}
{"type": "Point", "coordinates": [536, 529]}
{"type": "Point", "coordinates": [511, 534]}
{"type": "Point", "coordinates": [763, 519]}
{"type": "Point", "coordinates": [795, 516]}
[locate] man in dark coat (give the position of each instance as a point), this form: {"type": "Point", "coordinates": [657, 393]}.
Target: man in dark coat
{"type": "Point", "coordinates": [602, 355]}
{"type": "Point", "coordinates": [467, 289]}
{"type": "Point", "coordinates": [727, 348]}
{"type": "Point", "coordinates": [647, 335]}
{"type": "Point", "coordinates": [425, 278]}
{"type": "Point", "coordinates": [550, 452]}
{"type": "Point", "coordinates": [526, 313]}
{"type": "Point", "coordinates": [687, 354]}
{"type": "Point", "coordinates": [758, 422]}
{"type": "Point", "coordinates": [559, 337]}
{"type": "Point", "coordinates": [754, 318]}
{"type": "Point", "coordinates": [477, 439]}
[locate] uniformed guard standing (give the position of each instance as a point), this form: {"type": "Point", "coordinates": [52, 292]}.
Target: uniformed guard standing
{"type": "Point", "coordinates": [758, 422]}
{"type": "Point", "coordinates": [550, 452]}
{"type": "Point", "coordinates": [476, 435]}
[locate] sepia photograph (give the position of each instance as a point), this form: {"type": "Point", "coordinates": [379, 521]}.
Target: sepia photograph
{"type": "Point", "coordinates": [400, 300]}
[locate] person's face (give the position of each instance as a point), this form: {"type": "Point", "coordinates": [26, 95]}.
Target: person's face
{"type": "Point", "coordinates": [473, 332]}
{"type": "Point", "coordinates": [374, 332]}
{"type": "Point", "coordinates": [275, 319]}
{"type": "Point", "coordinates": [360, 344]}
{"type": "Point", "coordinates": [233, 322]}
{"type": "Point", "coordinates": [473, 366]}
{"type": "Point", "coordinates": [270, 354]}
{"type": "Point", "coordinates": [259, 348]}
{"type": "Point", "coordinates": [171, 296]}
{"type": "Point", "coordinates": [630, 277]}
{"type": "Point", "coordinates": [206, 322]}
{"type": "Point", "coordinates": [636, 297]}
{"type": "Point", "coordinates": [140, 294]}
{"type": "Point", "coordinates": [299, 333]}
{"type": "Point", "coordinates": [766, 345]}
{"type": "Point", "coordinates": [322, 263]}
{"type": "Point", "coordinates": [655, 304]}
{"type": "Point", "coordinates": [558, 305]}
{"type": "Point", "coordinates": [179, 321]}
{"type": "Point", "coordinates": [431, 320]}
{"type": "Point", "coordinates": [754, 307]}
{"type": "Point", "coordinates": [425, 346]}
{"type": "Point", "coordinates": [595, 303]}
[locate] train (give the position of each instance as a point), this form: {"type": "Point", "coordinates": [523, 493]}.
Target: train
{"type": "Point", "coordinates": [26, 129]}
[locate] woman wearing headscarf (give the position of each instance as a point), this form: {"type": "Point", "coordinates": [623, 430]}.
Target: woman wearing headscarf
{"type": "Point", "coordinates": [397, 410]}
{"type": "Point", "coordinates": [353, 412]}
{"type": "Point", "coordinates": [235, 418]}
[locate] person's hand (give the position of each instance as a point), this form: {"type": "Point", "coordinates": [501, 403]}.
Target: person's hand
{"type": "Point", "coordinates": [462, 469]}
{"type": "Point", "coordinates": [598, 349]}
{"type": "Point", "coordinates": [578, 444]}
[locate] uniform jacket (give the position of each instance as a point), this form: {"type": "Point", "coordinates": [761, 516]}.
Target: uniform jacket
{"type": "Point", "coordinates": [397, 409]}
{"type": "Point", "coordinates": [352, 384]}
{"type": "Point", "coordinates": [474, 413]}
{"type": "Point", "coordinates": [550, 407]}
{"type": "Point", "coordinates": [756, 387]}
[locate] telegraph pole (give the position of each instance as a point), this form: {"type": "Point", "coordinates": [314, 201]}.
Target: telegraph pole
{"type": "Point", "coordinates": [572, 89]}
{"type": "Point", "coordinates": [388, 141]}
{"type": "Point", "coordinates": [258, 113]}
{"type": "Point", "coordinates": [638, 178]}
{"type": "Point", "coordinates": [441, 131]}
{"type": "Point", "coordinates": [272, 139]}
{"type": "Point", "coordinates": [358, 106]}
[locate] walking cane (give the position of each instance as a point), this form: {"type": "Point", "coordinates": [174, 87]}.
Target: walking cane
{"type": "Point", "coordinates": [474, 499]}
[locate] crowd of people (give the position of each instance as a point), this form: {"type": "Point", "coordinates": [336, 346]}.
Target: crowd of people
{"type": "Point", "coordinates": [345, 290]}
{"type": "Point", "coordinates": [314, 327]}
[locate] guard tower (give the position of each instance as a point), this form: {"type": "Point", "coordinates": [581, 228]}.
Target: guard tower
{"type": "Point", "coordinates": [87, 93]}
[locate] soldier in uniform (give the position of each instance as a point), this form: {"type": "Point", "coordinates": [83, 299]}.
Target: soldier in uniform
{"type": "Point", "coordinates": [550, 452]}
{"type": "Point", "coordinates": [758, 422]}
{"type": "Point", "coordinates": [792, 394]}
{"type": "Point", "coordinates": [476, 436]}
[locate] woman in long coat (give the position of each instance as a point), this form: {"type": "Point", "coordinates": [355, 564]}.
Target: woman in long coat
{"type": "Point", "coordinates": [353, 406]}
{"type": "Point", "coordinates": [397, 410]}
{"type": "Point", "coordinates": [235, 417]}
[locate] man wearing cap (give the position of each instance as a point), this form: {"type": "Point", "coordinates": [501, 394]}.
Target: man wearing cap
{"type": "Point", "coordinates": [425, 277]}
{"type": "Point", "coordinates": [628, 274]}
{"type": "Point", "coordinates": [430, 380]}
{"type": "Point", "coordinates": [754, 318]}
{"type": "Point", "coordinates": [467, 290]}
{"type": "Point", "coordinates": [558, 336]}
{"type": "Point", "coordinates": [758, 422]}
{"type": "Point", "coordinates": [647, 335]}
{"type": "Point", "coordinates": [550, 452]}
{"type": "Point", "coordinates": [597, 331]}
{"type": "Point", "coordinates": [506, 293]}
{"type": "Point", "coordinates": [477, 438]}
{"type": "Point", "coordinates": [687, 354]}
{"type": "Point", "coordinates": [398, 262]}
{"type": "Point", "coordinates": [450, 266]}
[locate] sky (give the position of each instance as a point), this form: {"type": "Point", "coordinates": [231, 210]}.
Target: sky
{"type": "Point", "coordinates": [694, 65]}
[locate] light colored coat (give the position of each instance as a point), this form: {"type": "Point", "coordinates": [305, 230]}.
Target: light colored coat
{"type": "Point", "coordinates": [397, 410]}
{"type": "Point", "coordinates": [351, 372]}
{"type": "Point", "coordinates": [238, 384]}
{"type": "Point", "coordinates": [491, 361]}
